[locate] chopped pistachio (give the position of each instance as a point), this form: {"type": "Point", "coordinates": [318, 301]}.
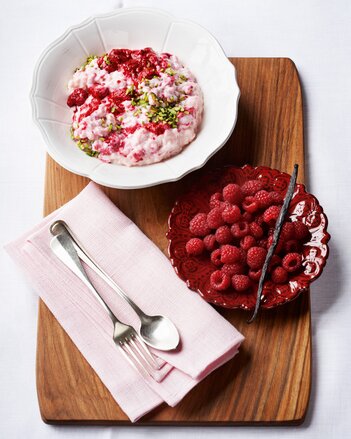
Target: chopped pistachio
{"type": "Point", "coordinates": [153, 96]}
{"type": "Point", "coordinates": [90, 59]}
{"type": "Point", "coordinates": [92, 153]}
{"type": "Point", "coordinates": [106, 59]}
{"type": "Point", "coordinates": [130, 90]}
{"type": "Point", "coordinates": [110, 127]}
{"type": "Point", "coordinates": [170, 71]}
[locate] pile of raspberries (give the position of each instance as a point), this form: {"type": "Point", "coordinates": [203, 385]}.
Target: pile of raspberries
{"type": "Point", "coordinates": [237, 232]}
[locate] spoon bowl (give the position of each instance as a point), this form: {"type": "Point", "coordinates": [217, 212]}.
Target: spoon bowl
{"type": "Point", "coordinates": [159, 332]}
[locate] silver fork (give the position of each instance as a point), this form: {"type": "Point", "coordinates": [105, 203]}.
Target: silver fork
{"type": "Point", "coordinates": [125, 337]}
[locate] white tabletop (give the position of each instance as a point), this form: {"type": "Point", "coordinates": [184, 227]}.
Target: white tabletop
{"type": "Point", "coordinates": [317, 36]}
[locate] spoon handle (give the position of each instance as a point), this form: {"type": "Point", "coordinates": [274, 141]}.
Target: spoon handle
{"type": "Point", "coordinates": [61, 228]}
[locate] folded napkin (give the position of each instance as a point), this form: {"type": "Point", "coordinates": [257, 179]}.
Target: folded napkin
{"type": "Point", "coordinates": [142, 270]}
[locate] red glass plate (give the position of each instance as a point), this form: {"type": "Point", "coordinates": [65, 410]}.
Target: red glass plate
{"type": "Point", "coordinates": [196, 270]}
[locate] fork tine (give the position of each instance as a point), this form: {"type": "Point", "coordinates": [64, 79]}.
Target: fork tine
{"type": "Point", "coordinates": [152, 360]}
{"type": "Point", "coordinates": [133, 360]}
{"type": "Point", "coordinates": [136, 350]}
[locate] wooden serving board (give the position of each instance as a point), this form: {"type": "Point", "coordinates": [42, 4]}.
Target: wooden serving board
{"type": "Point", "coordinates": [269, 381]}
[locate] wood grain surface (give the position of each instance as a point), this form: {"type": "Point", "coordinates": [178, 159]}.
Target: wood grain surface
{"type": "Point", "coordinates": [269, 381]}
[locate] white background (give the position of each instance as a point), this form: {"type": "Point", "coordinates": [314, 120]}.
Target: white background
{"type": "Point", "coordinates": [317, 36]}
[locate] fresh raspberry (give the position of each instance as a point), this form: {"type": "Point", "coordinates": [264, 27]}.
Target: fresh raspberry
{"type": "Point", "coordinates": [194, 246]}
{"type": "Point", "coordinates": [279, 275]}
{"type": "Point", "coordinates": [77, 97]}
{"type": "Point", "coordinates": [247, 216]}
{"type": "Point", "coordinates": [300, 230]}
{"type": "Point", "coordinates": [214, 218]}
{"type": "Point", "coordinates": [99, 92]}
{"type": "Point", "coordinates": [287, 231]}
{"type": "Point", "coordinates": [274, 262]}
{"type": "Point", "coordinates": [256, 257]}
{"type": "Point", "coordinates": [292, 262]}
{"type": "Point", "coordinates": [216, 257]}
{"type": "Point", "coordinates": [255, 275]}
{"type": "Point", "coordinates": [250, 204]}
{"type": "Point", "coordinates": [198, 225]}
{"type": "Point", "coordinates": [256, 230]}
{"type": "Point", "coordinates": [230, 254]}
{"type": "Point", "coordinates": [259, 220]}
{"type": "Point", "coordinates": [292, 246]}
{"type": "Point", "coordinates": [232, 193]}
{"type": "Point", "coordinates": [247, 242]}
{"type": "Point", "coordinates": [215, 200]}
{"type": "Point", "coordinates": [219, 281]}
{"type": "Point", "coordinates": [223, 235]}
{"type": "Point", "coordinates": [223, 205]}
{"type": "Point", "coordinates": [279, 246]}
{"type": "Point", "coordinates": [240, 229]}
{"type": "Point", "coordinates": [262, 243]}
{"type": "Point", "coordinates": [243, 255]}
{"type": "Point", "coordinates": [263, 199]}
{"type": "Point", "coordinates": [271, 214]}
{"type": "Point", "coordinates": [275, 197]}
{"type": "Point", "coordinates": [231, 269]}
{"type": "Point", "coordinates": [241, 282]}
{"type": "Point", "coordinates": [231, 214]}
{"type": "Point", "coordinates": [210, 242]}
{"type": "Point", "coordinates": [251, 187]}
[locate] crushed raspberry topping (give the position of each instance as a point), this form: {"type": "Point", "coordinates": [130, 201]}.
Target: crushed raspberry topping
{"type": "Point", "coordinates": [77, 97]}
{"type": "Point", "coordinates": [135, 64]}
{"type": "Point", "coordinates": [149, 100]}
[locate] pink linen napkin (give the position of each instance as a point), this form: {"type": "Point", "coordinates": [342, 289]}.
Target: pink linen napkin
{"type": "Point", "coordinates": [142, 270]}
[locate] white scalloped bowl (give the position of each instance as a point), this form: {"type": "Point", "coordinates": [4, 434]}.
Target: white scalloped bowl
{"type": "Point", "coordinates": [135, 28]}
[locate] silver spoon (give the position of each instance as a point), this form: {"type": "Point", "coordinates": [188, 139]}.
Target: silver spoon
{"type": "Point", "coordinates": [156, 331]}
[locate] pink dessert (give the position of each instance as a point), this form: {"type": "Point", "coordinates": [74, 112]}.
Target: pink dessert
{"type": "Point", "coordinates": [134, 107]}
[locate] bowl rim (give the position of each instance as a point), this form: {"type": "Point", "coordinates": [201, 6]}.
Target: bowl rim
{"type": "Point", "coordinates": [177, 174]}
{"type": "Point", "coordinates": [325, 239]}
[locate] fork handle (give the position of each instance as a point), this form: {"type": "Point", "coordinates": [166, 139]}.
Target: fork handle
{"type": "Point", "coordinates": [65, 251]}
